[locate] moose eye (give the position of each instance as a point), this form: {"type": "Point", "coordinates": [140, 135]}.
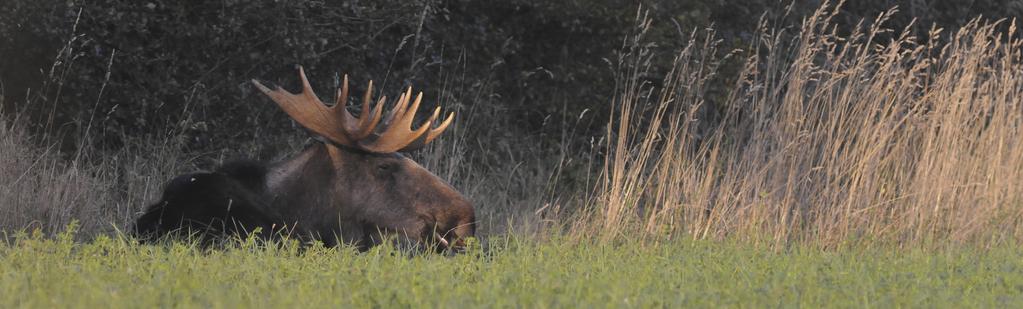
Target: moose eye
{"type": "Point", "coordinates": [385, 167]}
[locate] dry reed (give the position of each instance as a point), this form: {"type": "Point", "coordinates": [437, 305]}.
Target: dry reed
{"type": "Point", "coordinates": [827, 139]}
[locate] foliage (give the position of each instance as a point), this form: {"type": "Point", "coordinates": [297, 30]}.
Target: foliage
{"type": "Point", "coordinates": [514, 272]}
{"type": "Point", "coordinates": [826, 138]}
{"type": "Point", "coordinates": [141, 67]}
{"type": "Point", "coordinates": [104, 100]}
{"type": "Point", "coordinates": [827, 163]}
{"type": "Point", "coordinates": [187, 65]}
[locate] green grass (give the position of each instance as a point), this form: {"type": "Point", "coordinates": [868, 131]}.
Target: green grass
{"type": "Point", "coordinates": [40, 272]}
{"type": "Point", "coordinates": [828, 142]}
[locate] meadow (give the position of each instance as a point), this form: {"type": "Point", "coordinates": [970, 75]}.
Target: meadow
{"type": "Point", "coordinates": [512, 273]}
{"type": "Point", "coordinates": [870, 168]}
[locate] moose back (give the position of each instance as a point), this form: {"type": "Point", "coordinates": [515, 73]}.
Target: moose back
{"type": "Point", "coordinates": [351, 186]}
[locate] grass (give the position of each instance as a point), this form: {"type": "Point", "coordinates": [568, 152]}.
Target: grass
{"type": "Point", "coordinates": [825, 139]}
{"type": "Point", "coordinates": [822, 138]}
{"type": "Point", "coordinates": [515, 272]}
{"type": "Point", "coordinates": [839, 170]}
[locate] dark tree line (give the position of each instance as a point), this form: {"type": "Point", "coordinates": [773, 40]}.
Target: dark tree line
{"type": "Point", "coordinates": [127, 69]}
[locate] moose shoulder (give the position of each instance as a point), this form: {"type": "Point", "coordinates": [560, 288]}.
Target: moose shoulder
{"type": "Point", "coordinates": [353, 186]}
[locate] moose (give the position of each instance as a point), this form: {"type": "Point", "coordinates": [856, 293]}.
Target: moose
{"type": "Point", "coordinates": [352, 185]}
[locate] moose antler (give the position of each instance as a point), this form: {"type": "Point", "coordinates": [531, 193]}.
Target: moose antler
{"type": "Point", "coordinates": [366, 132]}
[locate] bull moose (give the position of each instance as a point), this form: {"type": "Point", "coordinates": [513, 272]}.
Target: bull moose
{"type": "Point", "coordinates": [350, 186]}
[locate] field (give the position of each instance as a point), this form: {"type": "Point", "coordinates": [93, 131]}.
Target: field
{"type": "Point", "coordinates": [813, 167]}
{"type": "Point", "coordinates": [513, 273]}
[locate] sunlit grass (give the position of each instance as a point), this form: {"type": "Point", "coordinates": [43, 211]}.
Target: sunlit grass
{"type": "Point", "coordinates": [825, 138]}
{"type": "Point", "coordinates": [842, 171]}
{"type": "Point", "coordinates": [512, 272]}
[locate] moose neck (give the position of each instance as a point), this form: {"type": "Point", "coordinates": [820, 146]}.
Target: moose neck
{"type": "Point", "coordinates": [302, 186]}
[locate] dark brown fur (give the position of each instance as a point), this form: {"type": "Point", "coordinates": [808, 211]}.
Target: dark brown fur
{"type": "Point", "coordinates": [330, 193]}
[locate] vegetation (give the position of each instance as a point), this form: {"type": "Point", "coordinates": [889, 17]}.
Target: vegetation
{"type": "Point", "coordinates": [515, 272]}
{"type": "Point", "coordinates": [813, 159]}
{"type": "Point", "coordinates": [823, 131]}
{"type": "Point", "coordinates": [826, 139]}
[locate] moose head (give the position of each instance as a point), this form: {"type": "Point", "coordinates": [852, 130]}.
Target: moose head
{"type": "Point", "coordinates": [351, 186]}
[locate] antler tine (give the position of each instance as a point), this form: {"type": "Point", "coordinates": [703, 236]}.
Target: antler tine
{"type": "Point", "coordinates": [432, 134]}
{"type": "Point", "coordinates": [398, 110]}
{"type": "Point", "coordinates": [306, 88]}
{"type": "Point", "coordinates": [410, 114]}
{"type": "Point", "coordinates": [367, 132]}
{"type": "Point", "coordinates": [420, 140]}
{"type": "Point", "coordinates": [440, 129]}
{"type": "Point", "coordinates": [306, 109]}
{"type": "Point", "coordinates": [397, 134]}
{"type": "Point", "coordinates": [347, 120]}
{"type": "Point", "coordinates": [342, 94]}
{"type": "Point", "coordinates": [433, 117]}
{"type": "Point", "coordinates": [369, 117]}
{"type": "Point", "coordinates": [405, 123]}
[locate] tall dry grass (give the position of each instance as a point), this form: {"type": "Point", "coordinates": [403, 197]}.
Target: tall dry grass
{"type": "Point", "coordinates": [827, 139]}
{"type": "Point", "coordinates": [51, 175]}
{"type": "Point", "coordinates": [46, 183]}
{"type": "Point", "coordinates": [42, 188]}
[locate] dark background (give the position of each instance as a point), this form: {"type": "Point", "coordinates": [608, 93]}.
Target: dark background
{"type": "Point", "coordinates": [124, 70]}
